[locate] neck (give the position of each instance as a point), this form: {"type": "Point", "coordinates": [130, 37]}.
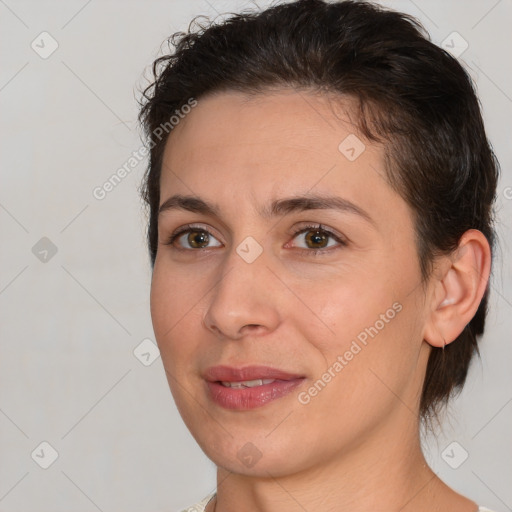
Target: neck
{"type": "Point", "coordinates": [381, 473]}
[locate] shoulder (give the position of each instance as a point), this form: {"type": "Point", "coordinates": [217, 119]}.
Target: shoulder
{"type": "Point", "coordinates": [199, 507]}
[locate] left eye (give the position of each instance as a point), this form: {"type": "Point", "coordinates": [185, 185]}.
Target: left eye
{"type": "Point", "coordinates": [317, 238]}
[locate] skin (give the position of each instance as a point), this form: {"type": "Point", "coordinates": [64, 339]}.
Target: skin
{"type": "Point", "coordinates": [355, 446]}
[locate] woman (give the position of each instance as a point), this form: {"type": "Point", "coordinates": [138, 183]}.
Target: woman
{"type": "Point", "coordinates": [320, 195]}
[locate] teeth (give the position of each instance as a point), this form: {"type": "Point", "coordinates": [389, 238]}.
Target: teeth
{"type": "Point", "coordinates": [247, 383]}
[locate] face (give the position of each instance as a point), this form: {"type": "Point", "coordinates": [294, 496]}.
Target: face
{"type": "Point", "coordinates": [286, 297]}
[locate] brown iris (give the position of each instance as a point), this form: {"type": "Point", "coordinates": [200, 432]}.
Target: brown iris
{"type": "Point", "coordinates": [317, 236]}
{"type": "Point", "coordinates": [198, 239]}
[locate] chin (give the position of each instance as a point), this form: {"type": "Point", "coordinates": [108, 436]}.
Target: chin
{"type": "Point", "coordinates": [251, 454]}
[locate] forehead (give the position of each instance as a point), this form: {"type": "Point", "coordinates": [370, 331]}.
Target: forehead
{"type": "Point", "coordinates": [293, 122]}
{"type": "Point", "coordinates": [272, 145]}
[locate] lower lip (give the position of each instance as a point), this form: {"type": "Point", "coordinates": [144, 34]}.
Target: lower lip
{"type": "Point", "coordinates": [250, 398]}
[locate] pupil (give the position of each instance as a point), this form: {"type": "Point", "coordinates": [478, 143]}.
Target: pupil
{"type": "Point", "coordinates": [316, 238]}
{"type": "Point", "coordinates": [198, 238]}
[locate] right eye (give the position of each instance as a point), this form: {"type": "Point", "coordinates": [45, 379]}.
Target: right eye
{"type": "Point", "coordinates": [196, 237]}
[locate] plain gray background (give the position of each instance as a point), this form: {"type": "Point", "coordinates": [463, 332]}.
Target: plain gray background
{"type": "Point", "coordinates": [72, 319]}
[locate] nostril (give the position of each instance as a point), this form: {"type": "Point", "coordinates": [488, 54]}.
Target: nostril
{"type": "Point", "coordinates": [254, 328]}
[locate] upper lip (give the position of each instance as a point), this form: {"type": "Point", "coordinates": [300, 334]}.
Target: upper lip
{"type": "Point", "coordinates": [233, 374]}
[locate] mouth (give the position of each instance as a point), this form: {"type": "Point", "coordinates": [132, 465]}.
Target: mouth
{"type": "Point", "coordinates": [246, 383]}
{"type": "Point", "coordinates": [249, 387]}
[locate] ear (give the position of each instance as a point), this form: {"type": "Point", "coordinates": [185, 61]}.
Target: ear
{"type": "Point", "coordinates": [458, 289]}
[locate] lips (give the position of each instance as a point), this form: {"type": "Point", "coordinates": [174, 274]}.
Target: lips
{"type": "Point", "coordinates": [232, 374]}
{"type": "Point", "coordinates": [248, 387]}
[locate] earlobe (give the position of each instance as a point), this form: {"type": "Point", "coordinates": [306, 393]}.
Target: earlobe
{"type": "Point", "coordinates": [459, 289]}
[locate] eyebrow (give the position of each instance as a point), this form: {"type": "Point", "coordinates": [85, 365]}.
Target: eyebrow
{"type": "Point", "coordinates": [276, 208]}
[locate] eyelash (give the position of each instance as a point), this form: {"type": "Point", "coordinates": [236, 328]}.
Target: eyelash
{"type": "Point", "coordinates": [311, 227]}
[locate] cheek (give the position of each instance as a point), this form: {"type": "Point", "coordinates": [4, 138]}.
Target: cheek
{"type": "Point", "coordinates": [174, 316]}
{"type": "Point", "coordinates": [373, 326]}
{"type": "Point", "coordinates": [375, 344]}
{"type": "Point", "coordinates": [347, 307]}
{"type": "Point", "coordinates": [172, 302]}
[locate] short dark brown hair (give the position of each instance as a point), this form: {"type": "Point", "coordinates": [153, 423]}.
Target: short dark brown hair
{"type": "Point", "coordinates": [412, 96]}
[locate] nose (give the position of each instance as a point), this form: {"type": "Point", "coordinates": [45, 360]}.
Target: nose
{"type": "Point", "coordinates": [245, 300]}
